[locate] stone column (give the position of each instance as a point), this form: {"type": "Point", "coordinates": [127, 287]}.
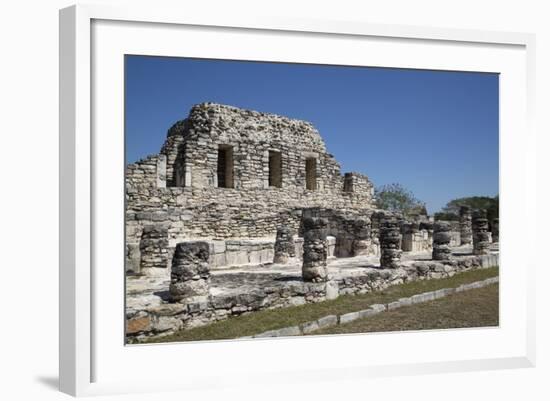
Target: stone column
{"type": "Point", "coordinates": [390, 243]}
{"type": "Point", "coordinates": [153, 247]}
{"type": "Point", "coordinates": [284, 245]}
{"type": "Point", "coordinates": [361, 241]}
{"type": "Point", "coordinates": [409, 232]}
{"type": "Point", "coordinates": [465, 225]}
{"type": "Point", "coordinates": [480, 227]}
{"type": "Point", "coordinates": [441, 240]}
{"type": "Point", "coordinates": [190, 277]}
{"type": "Point", "coordinates": [314, 267]}
{"type": "Point", "coordinates": [495, 230]}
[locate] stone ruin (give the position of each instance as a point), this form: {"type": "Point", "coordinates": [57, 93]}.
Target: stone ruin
{"type": "Point", "coordinates": [390, 239]}
{"type": "Point", "coordinates": [285, 247]}
{"type": "Point", "coordinates": [231, 177]}
{"type": "Point", "coordinates": [481, 234]}
{"type": "Point", "coordinates": [441, 241]}
{"type": "Point", "coordinates": [190, 275]}
{"type": "Point", "coordinates": [465, 225]}
{"type": "Point", "coordinates": [314, 265]}
{"type": "Point", "coordinates": [495, 230]}
{"type": "Point", "coordinates": [232, 188]}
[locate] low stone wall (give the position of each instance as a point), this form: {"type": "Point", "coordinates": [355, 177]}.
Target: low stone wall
{"type": "Point", "coordinates": [240, 252]}
{"type": "Point", "coordinates": [166, 318]}
{"type": "Point", "coordinates": [232, 253]}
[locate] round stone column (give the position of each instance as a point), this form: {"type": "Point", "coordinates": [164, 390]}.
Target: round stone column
{"type": "Point", "coordinates": [284, 245]}
{"type": "Point", "coordinates": [190, 277]}
{"type": "Point", "coordinates": [361, 241]}
{"type": "Point", "coordinates": [441, 241]}
{"type": "Point", "coordinates": [495, 230]}
{"type": "Point", "coordinates": [480, 228]}
{"type": "Point", "coordinates": [390, 243]}
{"type": "Point", "coordinates": [314, 266]}
{"type": "Point", "coordinates": [465, 225]}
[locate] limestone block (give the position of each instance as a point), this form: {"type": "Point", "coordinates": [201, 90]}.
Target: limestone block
{"type": "Point", "coordinates": [327, 321]}
{"type": "Point", "coordinates": [309, 327]}
{"type": "Point", "coordinates": [349, 317]}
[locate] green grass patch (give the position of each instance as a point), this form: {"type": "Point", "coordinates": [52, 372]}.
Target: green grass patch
{"type": "Point", "coordinates": [472, 308]}
{"type": "Point", "coordinates": [258, 322]}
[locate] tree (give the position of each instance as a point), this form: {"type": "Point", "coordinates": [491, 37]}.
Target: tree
{"type": "Point", "coordinates": [396, 198]}
{"type": "Point", "coordinates": [474, 202]}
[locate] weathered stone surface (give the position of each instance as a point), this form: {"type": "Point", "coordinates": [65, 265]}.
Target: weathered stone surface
{"type": "Point", "coordinates": [138, 325]}
{"type": "Point", "coordinates": [190, 271]}
{"type": "Point", "coordinates": [332, 290]}
{"type": "Point", "coordinates": [362, 237]}
{"type": "Point", "coordinates": [327, 321]}
{"type": "Point", "coordinates": [153, 248]}
{"type": "Point", "coordinates": [481, 234]}
{"type": "Point", "coordinates": [465, 225]}
{"type": "Point", "coordinates": [314, 265]}
{"type": "Point", "coordinates": [378, 307]}
{"type": "Point", "coordinates": [349, 317]}
{"type": "Point", "coordinates": [309, 327]}
{"type": "Point", "coordinates": [284, 245]}
{"type": "Point", "coordinates": [236, 292]}
{"type": "Point", "coordinates": [390, 243]}
{"type": "Point", "coordinates": [495, 230]}
{"type": "Point", "coordinates": [179, 185]}
{"type": "Point", "coordinates": [441, 241]}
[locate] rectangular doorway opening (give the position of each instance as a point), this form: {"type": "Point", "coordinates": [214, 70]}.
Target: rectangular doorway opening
{"type": "Point", "coordinates": [275, 167]}
{"type": "Point", "coordinates": [225, 166]}
{"type": "Point", "coordinates": [311, 173]}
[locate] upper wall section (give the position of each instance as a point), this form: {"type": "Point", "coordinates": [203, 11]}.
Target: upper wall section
{"type": "Point", "coordinates": [258, 150]}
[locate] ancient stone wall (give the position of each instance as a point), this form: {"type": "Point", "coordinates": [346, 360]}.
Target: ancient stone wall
{"type": "Point", "coordinates": [148, 172]}
{"type": "Point", "coordinates": [351, 227]}
{"type": "Point", "coordinates": [179, 187]}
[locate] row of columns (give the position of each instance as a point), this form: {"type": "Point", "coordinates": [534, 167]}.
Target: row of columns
{"type": "Point", "coordinates": [190, 275]}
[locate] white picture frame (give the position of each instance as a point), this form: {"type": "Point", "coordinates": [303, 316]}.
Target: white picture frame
{"type": "Point", "coordinates": [84, 321]}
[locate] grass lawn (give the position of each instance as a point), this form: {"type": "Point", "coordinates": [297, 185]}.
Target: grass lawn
{"type": "Point", "coordinates": [472, 308]}
{"type": "Point", "coordinates": [258, 322]}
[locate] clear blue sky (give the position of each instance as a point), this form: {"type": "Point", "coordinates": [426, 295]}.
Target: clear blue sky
{"type": "Point", "coordinates": [434, 132]}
